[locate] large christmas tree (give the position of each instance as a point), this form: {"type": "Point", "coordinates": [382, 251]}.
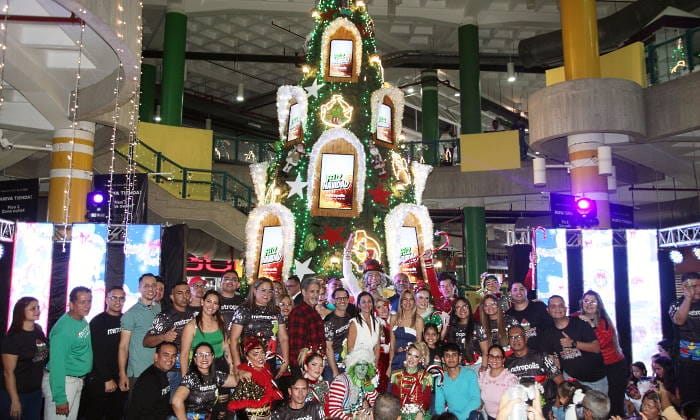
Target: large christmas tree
{"type": "Point", "coordinates": [338, 170]}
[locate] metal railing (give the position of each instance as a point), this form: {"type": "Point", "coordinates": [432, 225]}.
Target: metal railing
{"type": "Point", "coordinates": [673, 58]}
{"type": "Point", "coordinates": [192, 183]}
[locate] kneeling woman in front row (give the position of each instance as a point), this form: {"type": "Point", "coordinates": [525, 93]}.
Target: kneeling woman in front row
{"type": "Point", "coordinates": [199, 388]}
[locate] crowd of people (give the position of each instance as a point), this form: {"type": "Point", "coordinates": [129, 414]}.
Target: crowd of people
{"type": "Point", "coordinates": [369, 348]}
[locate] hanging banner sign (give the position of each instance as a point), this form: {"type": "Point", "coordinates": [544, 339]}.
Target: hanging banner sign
{"type": "Point", "coordinates": [19, 200]}
{"type": "Point", "coordinates": [118, 198]}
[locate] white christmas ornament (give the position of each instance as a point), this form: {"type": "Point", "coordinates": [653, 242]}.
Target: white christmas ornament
{"type": "Point", "coordinates": [313, 89]}
{"type": "Point", "coordinates": [420, 176]}
{"type": "Point", "coordinates": [296, 187]}
{"type": "Point", "coordinates": [258, 172]}
{"type": "Point", "coordinates": [302, 269]}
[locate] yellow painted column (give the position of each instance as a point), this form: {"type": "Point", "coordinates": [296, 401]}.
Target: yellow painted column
{"type": "Point", "coordinates": [70, 177]}
{"type": "Point", "coordinates": [579, 29]}
{"type": "Point", "coordinates": [582, 60]}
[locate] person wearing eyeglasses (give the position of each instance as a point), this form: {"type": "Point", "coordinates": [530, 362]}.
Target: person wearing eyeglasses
{"type": "Point", "coordinates": [616, 368]}
{"type": "Point", "coordinates": [527, 363]}
{"type": "Point", "coordinates": [495, 380]}
{"type": "Point", "coordinates": [197, 288]}
{"type": "Point", "coordinates": [230, 299]}
{"type": "Point", "coordinates": [101, 397]}
{"type": "Point", "coordinates": [576, 345]}
{"type": "Point", "coordinates": [336, 325]}
{"type": "Point", "coordinates": [199, 389]}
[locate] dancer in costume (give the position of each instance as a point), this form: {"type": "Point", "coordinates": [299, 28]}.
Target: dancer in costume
{"type": "Point", "coordinates": [413, 385]}
{"type": "Point", "coordinates": [352, 394]}
{"type": "Point", "coordinates": [258, 395]}
{"type": "Point", "coordinates": [312, 366]}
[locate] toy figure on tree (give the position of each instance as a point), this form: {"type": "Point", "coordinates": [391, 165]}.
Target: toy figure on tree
{"type": "Point", "coordinates": [338, 172]}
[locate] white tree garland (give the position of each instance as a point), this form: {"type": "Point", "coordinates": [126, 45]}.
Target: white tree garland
{"type": "Point", "coordinates": [254, 238]}
{"type": "Point", "coordinates": [327, 137]}
{"type": "Point", "coordinates": [395, 220]}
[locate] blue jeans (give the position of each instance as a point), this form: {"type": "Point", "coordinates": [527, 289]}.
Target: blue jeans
{"type": "Point", "coordinates": [174, 378]}
{"type": "Point", "coordinates": [31, 404]}
{"type": "Point", "coordinates": [600, 385]}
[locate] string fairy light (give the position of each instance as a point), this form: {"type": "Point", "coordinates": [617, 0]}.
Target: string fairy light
{"type": "Point", "coordinates": [3, 48]}
{"type": "Point", "coordinates": [73, 115]}
{"type": "Point", "coordinates": [133, 119]}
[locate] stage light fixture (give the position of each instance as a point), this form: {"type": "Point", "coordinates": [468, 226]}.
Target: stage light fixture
{"type": "Point", "coordinates": [587, 211]}
{"type": "Point", "coordinates": [676, 256]}
{"type": "Point", "coordinates": [696, 252]}
{"type": "Point", "coordinates": [96, 206]}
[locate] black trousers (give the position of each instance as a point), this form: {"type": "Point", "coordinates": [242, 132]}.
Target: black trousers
{"type": "Point", "coordinates": [96, 404]}
{"type": "Point", "coordinates": [617, 374]}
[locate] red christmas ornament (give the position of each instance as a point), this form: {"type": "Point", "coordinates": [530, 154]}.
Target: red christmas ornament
{"type": "Point", "coordinates": [379, 194]}
{"type": "Point", "coordinates": [333, 236]}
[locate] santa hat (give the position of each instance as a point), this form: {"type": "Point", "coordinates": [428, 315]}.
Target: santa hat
{"type": "Point", "coordinates": [372, 265]}
{"type": "Point", "coordinates": [250, 343]}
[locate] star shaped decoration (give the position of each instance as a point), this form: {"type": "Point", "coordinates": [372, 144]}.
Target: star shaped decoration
{"type": "Point", "coordinates": [379, 194]}
{"type": "Point", "coordinates": [333, 236]}
{"type": "Point", "coordinates": [296, 187]}
{"type": "Point", "coordinates": [302, 269]}
{"type": "Point", "coordinates": [313, 89]}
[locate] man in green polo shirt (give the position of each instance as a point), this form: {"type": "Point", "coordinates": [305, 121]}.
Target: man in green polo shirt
{"type": "Point", "coordinates": [134, 358]}
{"type": "Point", "coordinates": [70, 358]}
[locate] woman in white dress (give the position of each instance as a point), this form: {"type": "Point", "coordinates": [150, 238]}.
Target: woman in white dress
{"type": "Point", "coordinates": [364, 329]}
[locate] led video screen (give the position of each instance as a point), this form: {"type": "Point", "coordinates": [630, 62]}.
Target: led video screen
{"type": "Point", "coordinates": [86, 265]}
{"type": "Point", "coordinates": [31, 267]}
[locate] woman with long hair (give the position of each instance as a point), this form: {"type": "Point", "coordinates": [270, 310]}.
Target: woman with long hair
{"type": "Point", "coordinates": [259, 317]}
{"type": "Point", "coordinates": [383, 307]}
{"type": "Point", "coordinates": [469, 336]}
{"type": "Point", "coordinates": [651, 406]}
{"type": "Point", "coordinates": [363, 331]}
{"type": "Point", "coordinates": [311, 364]}
{"type": "Point", "coordinates": [666, 375]}
{"type": "Point", "coordinates": [594, 313]}
{"type": "Point", "coordinates": [208, 327]}
{"type": "Point", "coordinates": [495, 380]}
{"type": "Point", "coordinates": [495, 322]}
{"type": "Point", "coordinates": [199, 389]}
{"type": "Point", "coordinates": [431, 338]}
{"type": "Point", "coordinates": [406, 327]}
{"type": "Point", "coordinates": [25, 351]}
{"type": "Point", "coordinates": [412, 385]}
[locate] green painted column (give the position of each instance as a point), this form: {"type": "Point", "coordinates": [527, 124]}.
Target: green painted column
{"type": "Point", "coordinates": [173, 80]}
{"type": "Point", "coordinates": [474, 244]}
{"type": "Point", "coordinates": [470, 98]}
{"type": "Point", "coordinates": [429, 116]}
{"type": "Point", "coordinates": [147, 98]}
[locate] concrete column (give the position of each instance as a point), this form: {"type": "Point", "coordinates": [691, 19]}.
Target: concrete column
{"type": "Point", "coordinates": [429, 112]}
{"type": "Point", "coordinates": [173, 80]}
{"type": "Point", "coordinates": [585, 181]}
{"type": "Point", "coordinates": [147, 105]}
{"type": "Point", "coordinates": [474, 243]}
{"type": "Point", "coordinates": [470, 98]}
{"type": "Point", "coordinates": [70, 177]}
{"type": "Point", "coordinates": [582, 61]}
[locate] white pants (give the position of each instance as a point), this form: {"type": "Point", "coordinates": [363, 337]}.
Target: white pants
{"type": "Point", "coordinates": [74, 386]}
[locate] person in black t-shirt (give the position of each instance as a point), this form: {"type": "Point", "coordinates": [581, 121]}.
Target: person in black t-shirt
{"type": "Point", "coordinates": [685, 314]}
{"type": "Point", "coordinates": [168, 325]}
{"type": "Point", "coordinates": [575, 343]}
{"type": "Point", "coordinates": [25, 351]}
{"type": "Point", "coordinates": [531, 315]}
{"type": "Point", "coordinates": [230, 300]}
{"type": "Point", "coordinates": [101, 396]}
{"type": "Point", "coordinates": [150, 398]}
{"type": "Point", "coordinates": [336, 327]}
{"type": "Point", "coordinates": [526, 363]}
{"type": "Point", "coordinates": [199, 389]}
{"type": "Point", "coordinates": [298, 409]}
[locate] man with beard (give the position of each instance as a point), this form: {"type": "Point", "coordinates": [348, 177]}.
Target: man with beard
{"type": "Point", "coordinates": [531, 315]}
